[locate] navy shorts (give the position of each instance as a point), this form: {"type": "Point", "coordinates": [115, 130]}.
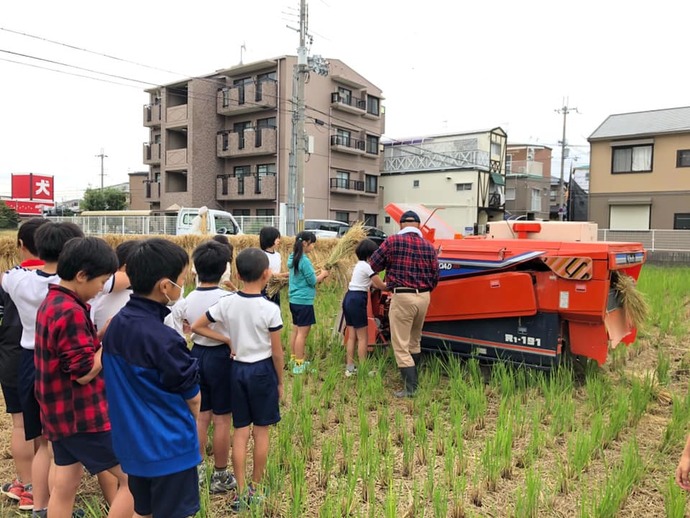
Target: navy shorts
{"type": "Point", "coordinates": [254, 394]}
{"type": "Point", "coordinates": [302, 314]}
{"type": "Point", "coordinates": [355, 309]}
{"type": "Point", "coordinates": [214, 377]}
{"type": "Point", "coordinates": [94, 450]}
{"type": "Point", "coordinates": [169, 496]}
{"type": "Point", "coordinates": [13, 403]}
{"type": "Point", "coordinates": [27, 396]}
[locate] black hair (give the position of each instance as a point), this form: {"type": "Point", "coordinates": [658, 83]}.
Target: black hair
{"type": "Point", "coordinates": [25, 234]}
{"type": "Point", "coordinates": [223, 240]}
{"type": "Point", "coordinates": [91, 255]}
{"type": "Point", "coordinates": [51, 237]}
{"type": "Point", "coordinates": [365, 249]}
{"type": "Point", "coordinates": [268, 236]}
{"type": "Point", "coordinates": [210, 260]}
{"type": "Point", "coordinates": [154, 259]}
{"type": "Point", "coordinates": [298, 249]}
{"type": "Point", "coordinates": [124, 250]}
{"type": "Point", "coordinates": [251, 264]}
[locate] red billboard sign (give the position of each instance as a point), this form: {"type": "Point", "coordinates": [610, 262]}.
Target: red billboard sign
{"type": "Point", "coordinates": [32, 187]}
{"type": "Point", "coordinates": [28, 208]}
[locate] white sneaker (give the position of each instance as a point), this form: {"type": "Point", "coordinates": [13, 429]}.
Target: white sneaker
{"type": "Point", "coordinates": [349, 372]}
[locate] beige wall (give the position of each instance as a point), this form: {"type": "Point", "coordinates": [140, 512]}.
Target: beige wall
{"type": "Point", "coordinates": [665, 176]}
{"type": "Point", "coordinates": [663, 206]}
{"type": "Point", "coordinates": [137, 191]}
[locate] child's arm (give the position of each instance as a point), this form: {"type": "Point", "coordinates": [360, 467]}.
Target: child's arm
{"type": "Point", "coordinates": [201, 327]}
{"type": "Point", "coordinates": [278, 359]}
{"type": "Point", "coordinates": [324, 273]}
{"type": "Point", "coordinates": [97, 367]}
{"type": "Point", "coordinates": [378, 283]}
{"type": "Point", "coordinates": [194, 405]}
{"type": "Point", "coordinates": [177, 317]}
{"type": "Point", "coordinates": [121, 281]}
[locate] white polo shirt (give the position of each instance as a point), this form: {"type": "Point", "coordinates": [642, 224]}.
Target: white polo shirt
{"type": "Point", "coordinates": [190, 308]}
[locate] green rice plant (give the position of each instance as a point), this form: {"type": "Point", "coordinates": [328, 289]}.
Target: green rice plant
{"type": "Point", "coordinates": [449, 461]}
{"type": "Point", "coordinates": [324, 420]}
{"type": "Point", "coordinates": [400, 427]}
{"type": "Point", "coordinates": [363, 415]}
{"type": "Point", "coordinates": [440, 439]}
{"type": "Point", "coordinates": [583, 445]}
{"type": "Point", "coordinates": [386, 469]}
{"type": "Point", "coordinates": [459, 487]}
{"type": "Point", "coordinates": [93, 508]}
{"type": "Point", "coordinates": [659, 286]}
{"type": "Point", "coordinates": [390, 508]}
{"type": "Point", "coordinates": [663, 367]}
{"type": "Point", "coordinates": [504, 439]}
{"type": "Point", "coordinates": [503, 379]}
{"type": "Point", "coordinates": [529, 495]}
{"type": "Point", "coordinates": [421, 438]}
{"type": "Point", "coordinates": [641, 393]}
{"type": "Point", "coordinates": [407, 454]}
{"type": "Point", "coordinates": [327, 462]}
{"type": "Point", "coordinates": [330, 506]}
{"type": "Point", "coordinates": [563, 415]}
{"type": "Point", "coordinates": [306, 429]}
{"type": "Point", "coordinates": [340, 413]}
{"type": "Point", "coordinates": [475, 406]}
{"type": "Point", "coordinates": [598, 390]}
{"type": "Point", "coordinates": [675, 430]}
{"type": "Point", "coordinates": [383, 429]}
{"type": "Point", "coordinates": [675, 500]}
{"type": "Point", "coordinates": [491, 464]}
{"type": "Point", "coordinates": [431, 417]}
{"type": "Point", "coordinates": [439, 500]}
{"type": "Point", "coordinates": [620, 482]}
{"type": "Point", "coordinates": [346, 447]}
{"type": "Point", "coordinates": [298, 485]}
{"type": "Point", "coordinates": [618, 418]}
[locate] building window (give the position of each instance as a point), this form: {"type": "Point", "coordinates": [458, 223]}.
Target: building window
{"type": "Point", "coordinates": [265, 212]}
{"type": "Point", "coordinates": [509, 164]}
{"type": "Point", "coordinates": [342, 179]}
{"type": "Point", "coordinates": [371, 184]}
{"type": "Point", "coordinates": [240, 84]}
{"type": "Point", "coordinates": [387, 219]}
{"type": "Point", "coordinates": [463, 186]}
{"type": "Point", "coordinates": [495, 149]}
{"type": "Point", "coordinates": [683, 158]}
{"type": "Point", "coordinates": [260, 80]}
{"type": "Point", "coordinates": [370, 219]}
{"type": "Point", "coordinates": [343, 216]}
{"type": "Point", "coordinates": [240, 128]}
{"type": "Point", "coordinates": [241, 171]}
{"type": "Point", "coordinates": [632, 159]}
{"type": "Point", "coordinates": [241, 212]}
{"type": "Point", "coordinates": [681, 221]}
{"type": "Point", "coordinates": [372, 145]}
{"type": "Point", "coordinates": [343, 137]}
{"type": "Point", "coordinates": [266, 169]}
{"type": "Point", "coordinates": [226, 97]}
{"type": "Point", "coordinates": [536, 200]}
{"type": "Point", "coordinates": [270, 122]}
{"type": "Point", "coordinates": [373, 105]}
{"type": "Point", "coordinates": [415, 184]}
{"type": "Point", "coordinates": [345, 95]}
{"type": "Point", "coordinates": [510, 193]}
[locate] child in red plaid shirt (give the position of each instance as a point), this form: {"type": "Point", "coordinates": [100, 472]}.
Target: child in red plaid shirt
{"type": "Point", "coordinates": [69, 386]}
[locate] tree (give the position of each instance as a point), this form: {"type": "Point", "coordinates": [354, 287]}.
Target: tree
{"type": "Point", "coordinates": [104, 199]}
{"type": "Point", "coordinates": [8, 217]}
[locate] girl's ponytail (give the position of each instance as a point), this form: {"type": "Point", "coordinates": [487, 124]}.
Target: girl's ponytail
{"type": "Point", "coordinates": [298, 248]}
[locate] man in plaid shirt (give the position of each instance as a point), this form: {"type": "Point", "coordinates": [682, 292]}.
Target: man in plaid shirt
{"type": "Point", "coordinates": [69, 386]}
{"type": "Point", "coordinates": [411, 265]}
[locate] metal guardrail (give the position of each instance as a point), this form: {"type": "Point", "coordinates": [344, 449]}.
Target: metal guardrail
{"type": "Point", "coordinates": [652, 240]}
{"type": "Point", "coordinates": [156, 225]}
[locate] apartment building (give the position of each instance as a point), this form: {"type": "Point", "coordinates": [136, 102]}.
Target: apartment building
{"type": "Point", "coordinates": [223, 140]}
{"type": "Point", "coordinates": [461, 173]}
{"type": "Point", "coordinates": [640, 170]}
{"type": "Point", "coordinates": [137, 190]}
{"type": "Point", "coordinates": [528, 173]}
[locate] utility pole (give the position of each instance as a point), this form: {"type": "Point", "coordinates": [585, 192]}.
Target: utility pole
{"type": "Point", "coordinates": [565, 110]}
{"type": "Point", "coordinates": [102, 156]}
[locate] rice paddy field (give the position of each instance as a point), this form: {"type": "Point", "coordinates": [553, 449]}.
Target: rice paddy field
{"type": "Point", "coordinates": [477, 440]}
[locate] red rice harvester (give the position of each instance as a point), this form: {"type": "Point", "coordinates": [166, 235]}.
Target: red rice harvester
{"type": "Point", "coordinates": [524, 293]}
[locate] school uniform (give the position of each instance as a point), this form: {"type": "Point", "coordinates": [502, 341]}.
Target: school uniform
{"type": "Point", "coordinates": [107, 303]}
{"type": "Point", "coordinates": [250, 320]}
{"type": "Point", "coordinates": [357, 296]}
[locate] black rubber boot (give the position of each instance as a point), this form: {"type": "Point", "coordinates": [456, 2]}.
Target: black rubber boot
{"type": "Point", "coordinates": [409, 376]}
{"type": "Point", "coordinates": [417, 358]}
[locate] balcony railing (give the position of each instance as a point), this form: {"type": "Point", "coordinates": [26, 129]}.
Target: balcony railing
{"type": "Point", "coordinates": [248, 97]}
{"type": "Point", "coordinates": [343, 184]}
{"type": "Point", "coordinates": [176, 115]}
{"type": "Point", "coordinates": [175, 158]}
{"type": "Point", "coordinates": [153, 190]}
{"type": "Point", "coordinates": [251, 141]}
{"type": "Point", "coordinates": [251, 186]}
{"type": "Point", "coordinates": [495, 200]}
{"type": "Point", "coordinates": [348, 103]}
{"type": "Point", "coordinates": [347, 144]}
{"type": "Point", "coordinates": [152, 153]}
{"type": "Point", "coordinates": [152, 114]}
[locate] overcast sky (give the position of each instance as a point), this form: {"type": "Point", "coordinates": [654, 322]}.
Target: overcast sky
{"type": "Point", "coordinates": [444, 66]}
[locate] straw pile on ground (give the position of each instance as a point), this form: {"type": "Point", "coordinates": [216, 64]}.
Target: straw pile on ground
{"type": "Point", "coordinates": [633, 302]}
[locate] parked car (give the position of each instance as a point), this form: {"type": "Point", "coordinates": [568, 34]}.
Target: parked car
{"type": "Point", "coordinates": [326, 227]}
{"type": "Point", "coordinates": [376, 235]}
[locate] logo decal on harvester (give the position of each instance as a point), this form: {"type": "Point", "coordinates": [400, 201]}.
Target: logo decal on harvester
{"type": "Point", "coordinates": [578, 268]}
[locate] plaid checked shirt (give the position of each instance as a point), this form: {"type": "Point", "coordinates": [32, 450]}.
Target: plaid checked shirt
{"type": "Point", "coordinates": [410, 261]}
{"type": "Point", "coordinates": [65, 346]}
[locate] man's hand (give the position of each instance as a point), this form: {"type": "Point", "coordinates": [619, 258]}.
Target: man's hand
{"type": "Point", "coordinates": [683, 469]}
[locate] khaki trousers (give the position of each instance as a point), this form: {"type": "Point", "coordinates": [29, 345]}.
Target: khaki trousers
{"type": "Point", "coordinates": [406, 317]}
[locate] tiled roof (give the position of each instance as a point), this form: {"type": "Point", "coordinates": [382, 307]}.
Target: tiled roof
{"type": "Point", "coordinates": [654, 122]}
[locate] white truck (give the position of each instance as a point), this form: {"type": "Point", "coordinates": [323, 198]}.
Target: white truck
{"type": "Point", "coordinates": [178, 222]}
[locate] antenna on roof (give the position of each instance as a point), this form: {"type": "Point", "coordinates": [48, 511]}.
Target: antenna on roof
{"type": "Point", "coordinates": [243, 48]}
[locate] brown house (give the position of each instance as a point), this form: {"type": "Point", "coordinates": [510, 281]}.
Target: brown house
{"type": "Point", "coordinates": [528, 175]}
{"type": "Point", "coordinates": [640, 171]}
{"type": "Point", "coordinates": [137, 190]}
{"type": "Point", "coordinates": [223, 140]}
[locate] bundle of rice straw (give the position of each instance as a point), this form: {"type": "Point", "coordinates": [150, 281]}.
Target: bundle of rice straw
{"type": "Point", "coordinates": [275, 284]}
{"type": "Point", "coordinates": [342, 257]}
{"type": "Point", "coordinates": [633, 302]}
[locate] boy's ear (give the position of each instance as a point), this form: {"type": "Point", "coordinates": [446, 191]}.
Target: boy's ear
{"type": "Point", "coordinates": [81, 276]}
